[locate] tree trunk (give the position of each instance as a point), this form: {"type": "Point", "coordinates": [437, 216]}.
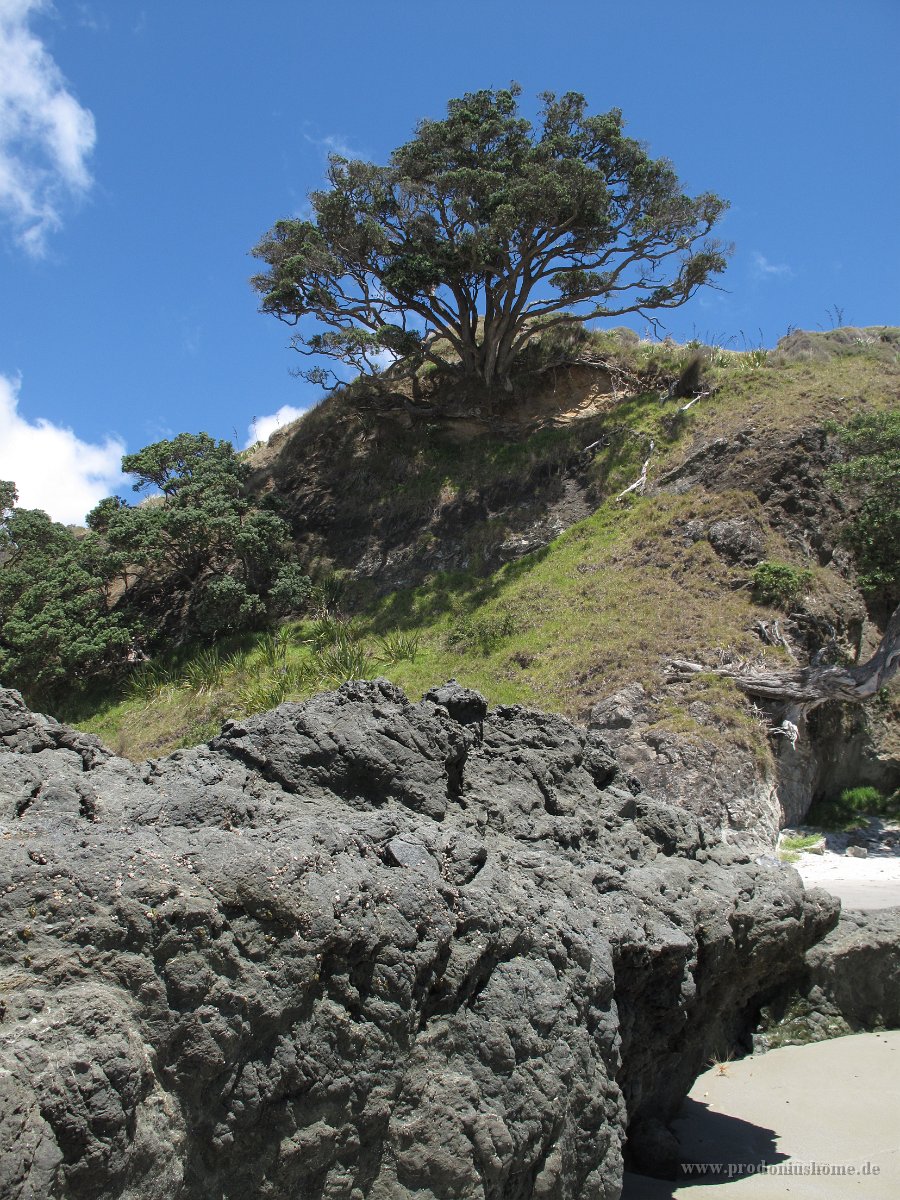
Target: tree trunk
{"type": "Point", "coordinates": [813, 685]}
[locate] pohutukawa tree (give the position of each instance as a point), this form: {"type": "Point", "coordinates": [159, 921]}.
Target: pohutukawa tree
{"type": "Point", "coordinates": [479, 230]}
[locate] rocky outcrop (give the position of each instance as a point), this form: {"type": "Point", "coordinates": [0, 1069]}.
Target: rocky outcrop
{"type": "Point", "coordinates": [851, 984]}
{"type": "Point", "coordinates": [713, 777]}
{"type": "Point", "coordinates": [361, 948]}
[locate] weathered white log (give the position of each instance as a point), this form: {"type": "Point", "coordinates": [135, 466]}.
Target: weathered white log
{"type": "Point", "coordinates": [813, 685]}
{"type": "Point", "coordinates": [690, 403]}
{"type": "Point", "coordinates": [641, 482]}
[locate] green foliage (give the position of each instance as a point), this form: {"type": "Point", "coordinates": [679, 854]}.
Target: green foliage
{"type": "Point", "coordinates": [864, 799]}
{"type": "Point", "coordinates": [203, 535]}
{"type": "Point", "coordinates": [151, 681]}
{"type": "Point", "coordinates": [202, 522]}
{"type": "Point", "coordinates": [398, 647]}
{"type": "Point", "coordinates": [799, 841]}
{"type": "Point", "coordinates": [778, 583]}
{"type": "Point", "coordinates": [345, 660]}
{"type": "Point", "coordinates": [479, 227]}
{"type": "Point", "coordinates": [274, 649]}
{"type": "Point", "coordinates": [847, 811]}
{"type": "Point", "coordinates": [8, 498]}
{"type": "Point", "coordinates": [870, 474]}
{"type": "Point", "coordinates": [205, 672]}
{"type": "Point", "coordinates": [57, 627]}
{"type": "Point", "coordinates": [480, 633]}
{"type": "Point", "coordinates": [202, 555]}
{"type": "Point", "coordinates": [291, 592]}
{"type": "Point", "coordinates": [752, 360]}
{"type": "Point", "coordinates": [264, 691]}
{"type": "Point", "coordinates": [225, 605]}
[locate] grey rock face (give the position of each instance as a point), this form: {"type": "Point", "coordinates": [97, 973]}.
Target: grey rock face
{"type": "Point", "coordinates": [851, 984]}
{"type": "Point", "coordinates": [361, 948]}
{"type": "Point", "coordinates": [719, 781]}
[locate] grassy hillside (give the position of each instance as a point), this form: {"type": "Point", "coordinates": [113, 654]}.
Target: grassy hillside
{"type": "Point", "coordinates": [635, 582]}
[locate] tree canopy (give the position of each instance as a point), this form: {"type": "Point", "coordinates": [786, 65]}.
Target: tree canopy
{"type": "Point", "coordinates": [57, 627]}
{"type": "Point", "coordinates": [481, 228]}
{"type": "Point", "coordinates": [870, 476]}
{"type": "Point", "coordinates": [200, 559]}
{"type": "Point", "coordinates": [204, 534]}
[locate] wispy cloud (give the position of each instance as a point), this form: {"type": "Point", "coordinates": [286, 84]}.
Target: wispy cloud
{"type": "Point", "coordinates": [261, 429]}
{"type": "Point", "coordinates": [88, 19]}
{"type": "Point", "coordinates": [334, 144]}
{"type": "Point", "coordinates": [46, 136]}
{"type": "Point", "coordinates": [763, 269]}
{"type": "Point", "coordinates": [52, 468]}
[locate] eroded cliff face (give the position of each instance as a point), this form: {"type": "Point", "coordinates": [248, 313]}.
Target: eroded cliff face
{"type": "Point", "coordinates": [362, 948]}
{"type": "Point", "coordinates": [391, 494]}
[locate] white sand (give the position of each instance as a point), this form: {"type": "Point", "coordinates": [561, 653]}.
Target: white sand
{"type": "Point", "coordinates": [861, 883]}
{"type": "Point", "coordinates": [811, 1112]}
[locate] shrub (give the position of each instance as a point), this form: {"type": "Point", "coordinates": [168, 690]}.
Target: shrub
{"type": "Point", "coordinates": [480, 634]}
{"type": "Point", "coordinates": [800, 841]}
{"type": "Point", "coordinates": [291, 592]}
{"type": "Point", "coordinates": [398, 647]}
{"type": "Point", "coordinates": [868, 800]}
{"type": "Point", "coordinates": [871, 476]}
{"type": "Point", "coordinates": [151, 681]}
{"type": "Point", "coordinates": [329, 630]}
{"type": "Point", "coordinates": [205, 672]}
{"type": "Point", "coordinates": [345, 660]}
{"type": "Point", "coordinates": [778, 583]}
{"type": "Point", "coordinates": [846, 811]}
{"type": "Point", "coordinates": [226, 605]}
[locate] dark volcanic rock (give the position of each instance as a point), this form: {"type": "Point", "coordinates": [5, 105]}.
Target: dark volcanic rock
{"type": "Point", "coordinates": [358, 948]}
{"type": "Point", "coordinates": [851, 984]}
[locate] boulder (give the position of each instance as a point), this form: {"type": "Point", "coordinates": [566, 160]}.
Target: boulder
{"type": "Point", "coordinates": [362, 948]}
{"type": "Point", "coordinates": [851, 984]}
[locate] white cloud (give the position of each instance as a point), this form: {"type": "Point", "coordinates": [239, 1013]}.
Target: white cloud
{"type": "Point", "coordinates": [52, 468]}
{"type": "Point", "coordinates": [45, 134]}
{"type": "Point", "coordinates": [384, 359]}
{"type": "Point", "coordinates": [333, 144]}
{"type": "Point", "coordinates": [261, 429]}
{"type": "Point", "coordinates": [763, 269]}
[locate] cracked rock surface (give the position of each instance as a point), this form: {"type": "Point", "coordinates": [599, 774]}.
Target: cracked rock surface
{"type": "Point", "coordinates": [362, 948]}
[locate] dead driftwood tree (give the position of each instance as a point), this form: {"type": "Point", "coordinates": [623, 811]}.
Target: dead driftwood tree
{"type": "Point", "coordinates": [803, 689]}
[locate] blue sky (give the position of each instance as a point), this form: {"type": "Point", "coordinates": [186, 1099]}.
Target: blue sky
{"type": "Point", "coordinates": [146, 146]}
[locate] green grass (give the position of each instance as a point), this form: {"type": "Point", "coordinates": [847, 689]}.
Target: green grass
{"type": "Point", "coordinates": [799, 841]}
{"type": "Point", "coordinates": [791, 846]}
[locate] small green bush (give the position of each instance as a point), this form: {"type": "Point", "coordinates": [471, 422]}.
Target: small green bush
{"type": "Point", "coordinates": [778, 583]}
{"type": "Point", "coordinates": [398, 647]}
{"type": "Point", "coordinates": [870, 475]}
{"type": "Point", "coordinates": [226, 605]}
{"type": "Point", "coordinates": [845, 812]}
{"type": "Point", "coordinates": [480, 634]}
{"type": "Point", "coordinates": [869, 800]}
{"type": "Point", "coordinates": [329, 630]}
{"type": "Point", "coordinates": [292, 591]}
{"type": "Point", "coordinates": [151, 681]}
{"type": "Point", "coordinates": [800, 841]}
{"type": "Point", "coordinates": [205, 672]}
{"type": "Point", "coordinates": [344, 660]}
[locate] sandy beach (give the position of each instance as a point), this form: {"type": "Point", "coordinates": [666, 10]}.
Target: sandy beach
{"type": "Point", "coordinates": [861, 883]}
{"type": "Point", "coordinates": [817, 1122]}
